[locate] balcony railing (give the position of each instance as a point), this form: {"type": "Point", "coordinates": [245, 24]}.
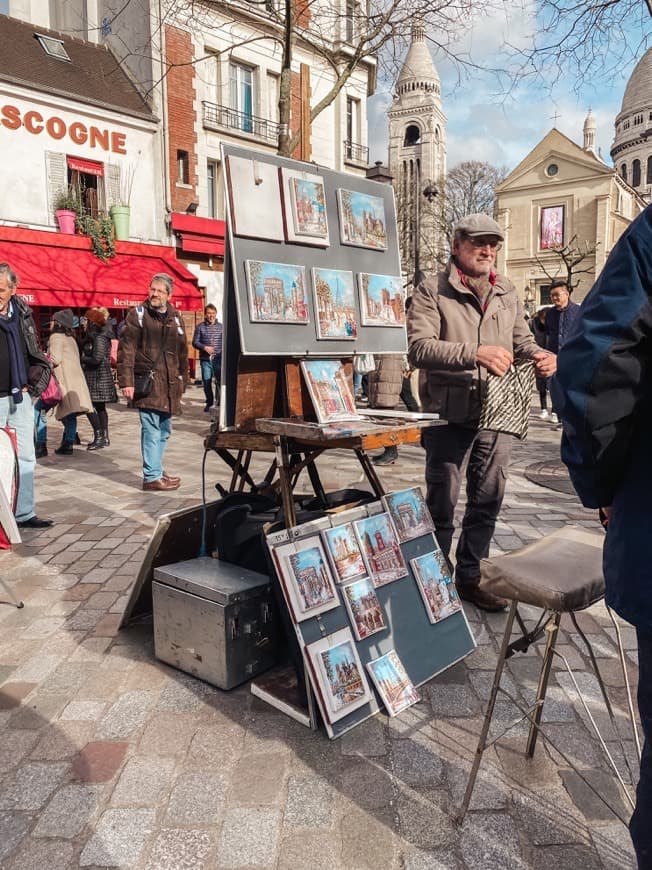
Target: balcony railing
{"type": "Point", "coordinates": [355, 153]}
{"type": "Point", "coordinates": [224, 118]}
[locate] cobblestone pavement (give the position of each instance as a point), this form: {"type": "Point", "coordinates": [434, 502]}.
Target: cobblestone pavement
{"type": "Point", "coordinates": [110, 759]}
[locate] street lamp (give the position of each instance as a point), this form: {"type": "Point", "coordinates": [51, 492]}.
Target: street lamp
{"type": "Point", "coordinates": [429, 193]}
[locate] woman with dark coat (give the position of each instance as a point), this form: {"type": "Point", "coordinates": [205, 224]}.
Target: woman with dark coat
{"type": "Point", "coordinates": [96, 364]}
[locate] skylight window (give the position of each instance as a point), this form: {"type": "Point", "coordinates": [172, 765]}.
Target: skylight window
{"type": "Point", "coordinates": [53, 47]}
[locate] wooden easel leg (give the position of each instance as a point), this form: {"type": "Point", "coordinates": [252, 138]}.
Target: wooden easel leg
{"type": "Point", "coordinates": [282, 462]}
{"type": "Point", "coordinates": [370, 472]}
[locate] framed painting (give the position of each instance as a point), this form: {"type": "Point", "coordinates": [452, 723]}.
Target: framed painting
{"type": "Point", "coordinates": [304, 198]}
{"type": "Point", "coordinates": [552, 227]}
{"type": "Point", "coordinates": [308, 579]}
{"type": "Point", "coordinates": [344, 552]}
{"type": "Point", "coordinates": [436, 585]}
{"type": "Point", "coordinates": [409, 513]}
{"type": "Point", "coordinates": [382, 300]}
{"type": "Point", "coordinates": [380, 548]}
{"type": "Point", "coordinates": [392, 682]}
{"type": "Point", "coordinates": [254, 181]}
{"type": "Point", "coordinates": [277, 292]}
{"type": "Point", "coordinates": [362, 219]}
{"type": "Point", "coordinates": [335, 304]}
{"type": "Point", "coordinates": [364, 608]}
{"type": "Point", "coordinates": [329, 389]}
{"type": "Point", "coordinates": [341, 681]}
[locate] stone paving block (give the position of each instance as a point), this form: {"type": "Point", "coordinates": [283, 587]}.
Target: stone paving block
{"type": "Point", "coordinates": [368, 839]}
{"type": "Point", "coordinates": [84, 620]}
{"type": "Point", "coordinates": [489, 840]}
{"type": "Point", "coordinates": [143, 782]}
{"type": "Point", "coordinates": [80, 592]}
{"type": "Point", "coordinates": [600, 643]}
{"type": "Point", "coordinates": [368, 739]}
{"type": "Point", "coordinates": [311, 850]}
{"type": "Point", "coordinates": [97, 575]}
{"type": "Point", "coordinates": [69, 811]}
{"type": "Point", "coordinates": [587, 801]}
{"type": "Point", "coordinates": [566, 858]}
{"type": "Point", "coordinates": [99, 761]}
{"type": "Point", "coordinates": [13, 827]}
{"type": "Point", "coordinates": [528, 773]}
{"type": "Point", "coordinates": [491, 791]}
{"type": "Point", "coordinates": [181, 849]}
{"type": "Point", "coordinates": [31, 785]}
{"type": "Point", "coordinates": [482, 681]}
{"type": "Point", "coordinates": [258, 779]}
{"type": "Point", "coordinates": [62, 740]}
{"type": "Point", "coordinates": [69, 677]}
{"type": "Point", "coordinates": [108, 626]}
{"type": "Point", "coordinates": [119, 838]}
{"type": "Point", "coordinates": [36, 711]}
{"type": "Point", "coordinates": [197, 799]}
{"type": "Point", "coordinates": [416, 762]}
{"type": "Point", "coordinates": [44, 627]}
{"type": "Point", "coordinates": [575, 742]}
{"type": "Point", "coordinates": [183, 694]}
{"type": "Point", "coordinates": [15, 746]}
{"type": "Point", "coordinates": [547, 816]}
{"type": "Point", "coordinates": [88, 711]}
{"type": "Point", "coordinates": [614, 846]}
{"type": "Point", "coordinates": [167, 733]}
{"type": "Point", "coordinates": [439, 859]}
{"type": "Point", "coordinates": [128, 714]}
{"type": "Point", "coordinates": [424, 820]}
{"type": "Point", "coordinates": [248, 838]}
{"type": "Point", "coordinates": [453, 700]}
{"type": "Point", "coordinates": [309, 803]}
{"type": "Point", "coordinates": [37, 854]}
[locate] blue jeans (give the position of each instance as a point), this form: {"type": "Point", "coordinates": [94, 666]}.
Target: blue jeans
{"type": "Point", "coordinates": [210, 370]}
{"type": "Point", "coordinates": [21, 418]}
{"type": "Point", "coordinates": [41, 424]}
{"type": "Point", "coordinates": [639, 826]}
{"type": "Point", "coordinates": [155, 429]}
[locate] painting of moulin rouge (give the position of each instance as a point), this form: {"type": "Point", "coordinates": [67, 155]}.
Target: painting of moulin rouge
{"type": "Point", "coordinates": [277, 292]}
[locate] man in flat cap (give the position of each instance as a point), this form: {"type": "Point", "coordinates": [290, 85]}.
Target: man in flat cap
{"type": "Point", "coordinates": [462, 324]}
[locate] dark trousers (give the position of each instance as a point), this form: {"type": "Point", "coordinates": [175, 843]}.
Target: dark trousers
{"type": "Point", "coordinates": [210, 371]}
{"type": "Point", "coordinates": [640, 825]}
{"type": "Point", "coordinates": [450, 451]}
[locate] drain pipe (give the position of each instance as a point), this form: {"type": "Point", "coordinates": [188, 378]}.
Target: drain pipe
{"type": "Point", "coordinates": [165, 139]}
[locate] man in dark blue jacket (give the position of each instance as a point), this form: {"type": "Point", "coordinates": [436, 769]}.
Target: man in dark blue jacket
{"type": "Point", "coordinates": [207, 339]}
{"type": "Point", "coordinates": [603, 393]}
{"type": "Point", "coordinates": [559, 322]}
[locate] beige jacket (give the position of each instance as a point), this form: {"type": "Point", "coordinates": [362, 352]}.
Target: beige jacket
{"type": "Point", "coordinates": [446, 324]}
{"type": "Point", "coordinates": [68, 371]}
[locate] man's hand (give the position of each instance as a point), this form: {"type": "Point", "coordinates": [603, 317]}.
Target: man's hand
{"type": "Point", "coordinates": [496, 359]}
{"type": "Point", "coordinates": [128, 392]}
{"type": "Point", "coordinates": [209, 349]}
{"type": "Point", "coordinates": [545, 364]}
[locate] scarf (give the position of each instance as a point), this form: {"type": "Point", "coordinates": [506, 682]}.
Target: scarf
{"type": "Point", "coordinates": [17, 364]}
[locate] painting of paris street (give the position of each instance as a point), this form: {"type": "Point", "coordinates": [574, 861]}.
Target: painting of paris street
{"type": "Point", "coordinates": [382, 300]}
{"type": "Point", "coordinates": [313, 589]}
{"type": "Point", "coordinates": [410, 513]}
{"type": "Point", "coordinates": [335, 304]}
{"type": "Point", "coordinates": [436, 585]}
{"type": "Point", "coordinates": [277, 292]}
{"type": "Point", "coordinates": [393, 684]}
{"type": "Point", "coordinates": [381, 548]}
{"type": "Point", "coordinates": [344, 551]}
{"type": "Point", "coordinates": [340, 675]}
{"type": "Point", "coordinates": [305, 208]}
{"type": "Point", "coordinates": [364, 608]}
{"type": "Point", "coordinates": [362, 220]}
{"type": "Point", "coordinates": [329, 389]}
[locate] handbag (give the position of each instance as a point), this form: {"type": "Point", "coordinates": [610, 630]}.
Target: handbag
{"type": "Point", "coordinates": [51, 395]}
{"type": "Point", "coordinates": [143, 383]}
{"type": "Point", "coordinates": [363, 363]}
{"type": "Point", "coordinates": [507, 399]}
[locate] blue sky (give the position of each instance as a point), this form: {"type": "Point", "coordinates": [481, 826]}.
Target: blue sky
{"type": "Point", "coordinates": [485, 123]}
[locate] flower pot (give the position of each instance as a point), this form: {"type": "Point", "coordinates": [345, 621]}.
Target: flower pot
{"type": "Point", "coordinates": [120, 217]}
{"type": "Point", "coordinates": [66, 220]}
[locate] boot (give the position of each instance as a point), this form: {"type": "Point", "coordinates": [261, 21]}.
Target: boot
{"type": "Point", "coordinates": [64, 449]}
{"type": "Point", "coordinates": [107, 443]}
{"type": "Point", "coordinates": [40, 450]}
{"type": "Point", "coordinates": [77, 439]}
{"type": "Point", "coordinates": [98, 440]}
{"type": "Point", "coordinates": [387, 457]}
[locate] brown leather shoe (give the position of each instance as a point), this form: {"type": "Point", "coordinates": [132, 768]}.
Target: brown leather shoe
{"type": "Point", "coordinates": [160, 485]}
{"type": "Point", "coordinates": [171, 477]}
{"type": "Point", "coordinates": [481, 598]}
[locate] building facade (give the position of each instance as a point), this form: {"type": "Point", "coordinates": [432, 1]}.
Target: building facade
{"type": "Point", "coordinates": [631, 151]}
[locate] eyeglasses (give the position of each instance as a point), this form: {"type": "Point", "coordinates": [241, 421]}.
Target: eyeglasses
{"type": "Point", "coordinates": [484, 242]}
{"type": "Point", "coordinates": [157, 290]}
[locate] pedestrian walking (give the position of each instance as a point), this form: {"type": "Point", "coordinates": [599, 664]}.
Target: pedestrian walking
{"type": "Point", "coordinates": [462, 324]}
{"type": "Point", "coordinates": [154, 340]}
{"type": "Point", "coordinates": [602, 391]}
{"type": "Point", "coordinates": [24, 372]}
{"type": "Point", "coordinates": [559, 321]}
{"type": "Point", "coordinates": [96, 365]}
{"type": "Point", "coordinates": [207, 339]}
{"type": "Point", "coordinates": [387, 385]}
{"type": "Point", "coordinates": [538, 329]}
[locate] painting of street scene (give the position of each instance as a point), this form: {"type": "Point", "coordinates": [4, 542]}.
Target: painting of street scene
{"type": "Point", "coordinates": [381, 548]}
{"type": "Point", "coordinates": [393, 684]}
{"type": "Point", "coordinates": [344, 550]}
{"type": "Point", "coordinates": [277, 292]}
{"type": "Point", "coordinates": [382, 300]}
{"type": "Point", "coordinates": [335, 304]}
{"type": "Point", "coordinates": [362, 220]}
{"type": "Point", "coordinates": [329, 390]}
{"type": "Point", "coordinates": [313, 583]}
{"type": "Point", "coordinates": [342, 674]}
{"type": "Point", "coordinates": [306, 219]}
{"type": "Point", "coordinates": [364, 608]}
{"type": "Point", "coordinates": [436, 585]}
{"type": "Point", "coordinates": [410, 513]}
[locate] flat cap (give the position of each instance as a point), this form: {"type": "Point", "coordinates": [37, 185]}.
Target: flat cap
{"type": "Point", "coordinates": [479, 225]}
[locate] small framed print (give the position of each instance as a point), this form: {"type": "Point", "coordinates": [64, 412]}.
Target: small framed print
{"type": "Point", "coordinates": [344, 552]}
{"type": "Point", "coordinates": [409, 513]}
{"type": "Point", "coordinates": [339, 674]}
{"type": "Point", "coordinates": [380, 548]}
{"type": "Point", "coordinates": [436, 586]}
{"type": "Point", "coordinates": [277, 292]}
{"type": "Point", "coordinates": [335, 304]}
{"type": "Point", "coordinates": [304, 198]}
{"type": "Point", "coordinates": [364, 608]}
{"type": "Point", "coordinates": [362, 219]}
{"type": "Point", "coordinates": [308, 579]}
{"type": "Point", "coordinates": [382, 300]}
{"type": "Point", "coordinates": [392, 682]}
{"type": "Point", "coordinates": [329, 389]}
{"type": "Point", "coordinates": [552, 227]}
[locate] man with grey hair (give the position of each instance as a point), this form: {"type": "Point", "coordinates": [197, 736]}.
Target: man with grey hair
{"type": "Point", "coordinates": [466, 322]}
{"type": "Point", "coordinates": [24, 372]}
{"type": "Point", "coordinates": [154, 342]}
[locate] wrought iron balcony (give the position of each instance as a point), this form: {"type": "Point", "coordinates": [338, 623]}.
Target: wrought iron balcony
{"type": "Point", "coordinates": [354, 153]}
{"type": "Point", "coordinates": [224, 118]}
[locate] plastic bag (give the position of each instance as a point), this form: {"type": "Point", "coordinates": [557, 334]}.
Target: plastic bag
{"type": "Point", "coordinates": [363, 363]}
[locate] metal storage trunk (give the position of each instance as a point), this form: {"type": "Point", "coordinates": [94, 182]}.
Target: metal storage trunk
{"type": "Point", "coordinates": [214, 620]}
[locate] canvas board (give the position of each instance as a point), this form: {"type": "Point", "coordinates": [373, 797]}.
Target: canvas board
{"type": "Point", "coordinates": [307, 577]}
{"type": "Point", "coordinates": [329, 390]}
{"type": "Point", "coordinates": [344, 553]}
{"type": "Point", "coordinates": [380, 547]}
{"type": "Point", "coordinates": [304, 207]}
{"type": "Point", "coordinates": [435, 584]}
{"type": "Point", "coordinates": [364, 608]}
{"type": "Point", "coordinates": [342, 685]}
{"type": "Point", "coordinates": [382, 300]}
{"type": "Point", "coordinates": [254, 198]}
{"type": "Point", "coordinates": [392, 683]}
{"type": "Point", "coordinates": [409, 513]}
{"type": "Point", "coordinates": [277, 292]}
{"type": "Point", "coordinates": [334, 296]}
{"type": "Point", "coordinates": [363, 221]}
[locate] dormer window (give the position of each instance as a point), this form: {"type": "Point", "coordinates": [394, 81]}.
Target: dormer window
{"type": "Point", "coordinates": [53, 47]}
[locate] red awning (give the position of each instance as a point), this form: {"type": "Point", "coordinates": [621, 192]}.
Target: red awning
{"type": "Point", "coordinates": [90, 167]}
{"type": "Point", "coordinates": [59, 270]}
{"type": "Point", "coordinates": [199, 235]}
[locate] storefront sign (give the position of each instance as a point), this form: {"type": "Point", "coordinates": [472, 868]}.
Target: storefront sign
{"type": "Point", "coordinates": [56, 128]}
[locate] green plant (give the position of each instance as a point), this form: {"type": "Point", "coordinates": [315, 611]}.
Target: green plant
{"type": "Point", "coordinates": [68, 199]}
{"type": "Point", "coordinates": [100, 232]}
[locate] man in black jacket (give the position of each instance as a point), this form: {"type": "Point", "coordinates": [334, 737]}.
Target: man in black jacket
{"type": "Point", "coordinates": [24, 371]}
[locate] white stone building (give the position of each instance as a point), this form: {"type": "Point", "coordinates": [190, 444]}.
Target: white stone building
{"type": "Point", "coordinates": [631, 151]}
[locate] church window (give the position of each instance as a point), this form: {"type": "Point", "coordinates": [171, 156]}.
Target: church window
{"type": "Point", "coordinates": [412, 135]}
{"type": "Point", "coordinates": [437, 135]}
{"type": "Point", "coordinates": [648, 174]}
{"type": "Point", "coordinates": [551, 170]}
{"type": "Point", "coordinates": [636, 173]}
{"type": "Point", "coordinates": [623, 172]}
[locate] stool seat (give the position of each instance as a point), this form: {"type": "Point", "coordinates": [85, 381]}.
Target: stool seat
{"type": "Point", "coordinates": [561, 571]}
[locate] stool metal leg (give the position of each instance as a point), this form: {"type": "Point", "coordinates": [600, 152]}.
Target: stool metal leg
{"type": "Point", "coordinates": [553, 630]}
{"type": "Point", "coordinates": [500, 666]}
